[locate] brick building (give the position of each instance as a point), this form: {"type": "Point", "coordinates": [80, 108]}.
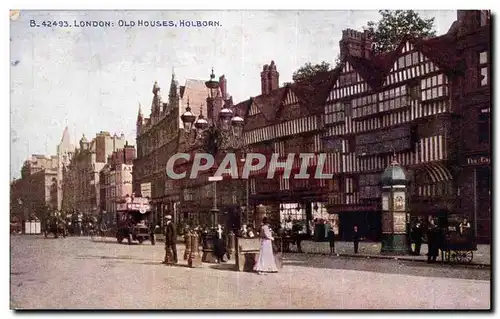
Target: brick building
{"type": "Point", "coordinates": [472, 100]}
{"type": "Point", "coordinates": [157, 138]}
{"type": "Point", "coordinates": [81, 189]}
{"type": "Point", "coordinates": [116, 180]}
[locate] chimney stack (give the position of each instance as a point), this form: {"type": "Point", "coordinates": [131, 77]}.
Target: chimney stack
{"type": "Point", "coordinates": [355, 43]}
{"type": "Point", "coordinates": [264, 80]}
{"type": "Point", "coordinates": [223, 86]}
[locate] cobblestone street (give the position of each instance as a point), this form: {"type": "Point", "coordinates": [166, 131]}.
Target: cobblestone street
{"type": "Point", "coordinates": [79, 273]}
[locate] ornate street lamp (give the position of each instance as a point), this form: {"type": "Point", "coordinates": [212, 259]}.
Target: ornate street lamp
{"type": "Point", "coordinates": [212, 85]}
{"type": "Point", "coordinates": [188, 118]}
{"type": "Point", "coordinates": [222, 132]}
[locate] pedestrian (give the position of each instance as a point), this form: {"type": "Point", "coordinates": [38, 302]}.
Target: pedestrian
{"type": "Point", "coordinates": [432, 242]}
{"type": "Point", "coordinates": [331, 239]}
{"type": "Point", "coordinates": [355, 239]}
{"type": "Point", "coordinates": [417, 237]}
{"type": "Point", "coordinates": [219, 241]}
{"type": "Point", "coordinates": [170, 241]}
{"type": "Point", "coordinates": [266, 262]}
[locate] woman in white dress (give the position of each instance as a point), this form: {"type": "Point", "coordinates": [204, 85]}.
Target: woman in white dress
{"type": "Point", "coordinates": [265, 262]}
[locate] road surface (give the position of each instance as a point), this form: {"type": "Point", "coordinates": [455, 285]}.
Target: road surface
{"type": "Point", "coordinates": [78, 273]}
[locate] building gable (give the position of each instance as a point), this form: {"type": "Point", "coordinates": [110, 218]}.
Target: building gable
{"type": "Point", "coordinates": [349, 82]}
{"type": "Point", "coordinates": [254, 110]}
{"type": "Point", "coordinates": [409, 64]}
{"type": "Point", "coordinates": [290, 98]}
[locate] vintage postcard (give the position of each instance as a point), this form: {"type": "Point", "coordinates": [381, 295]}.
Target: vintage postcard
{"type": "Point", "coordinates": [250, 159]}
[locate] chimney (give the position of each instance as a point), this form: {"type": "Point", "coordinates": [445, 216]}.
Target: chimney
{"type": "Point", "coordinates": [223, 86]}
{"type": "Point", "coordinates": [264, 80]}
{"type": "Point", "coordinates": [274, 77]}
{"type": "Point", "coordinates": [355, 43]}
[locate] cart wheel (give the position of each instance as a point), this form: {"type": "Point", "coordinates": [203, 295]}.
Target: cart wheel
{"type": "Point", "coordinates": [468, 256]}
{"type": "Point", "coordinates": [464, 256]}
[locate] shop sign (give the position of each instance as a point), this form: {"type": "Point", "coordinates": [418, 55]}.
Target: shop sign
{"type": "Point", "coordinates": [478, 160]}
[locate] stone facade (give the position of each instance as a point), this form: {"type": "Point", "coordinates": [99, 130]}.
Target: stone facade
{"type": "Point", "coordinates": [158, 139]}
{"type": "Point", "coordinates": [116, 181]}
{"type": "Point", "coordinates": [81, 191]}
{"type": "Point", "coordinates": [33, 195]}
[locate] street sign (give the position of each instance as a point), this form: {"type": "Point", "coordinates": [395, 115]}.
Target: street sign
{"type": "Point", "coordinates": [215, 178]}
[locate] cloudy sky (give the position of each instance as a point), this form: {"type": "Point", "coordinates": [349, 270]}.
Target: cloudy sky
{"type": "Point", "coordinates": [92, 79]}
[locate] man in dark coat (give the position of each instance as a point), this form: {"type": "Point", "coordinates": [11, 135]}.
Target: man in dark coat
{"type": "Point", "coordinates": [170, 239]}
{"type": "Point", "coordinates": [432, 242]}
{"type": "Point", "coordinates": [355, 239]}
{"type": "Point", "coordinates": [417, 237]}
{"type": "Point", "coordinates": [331, 239]}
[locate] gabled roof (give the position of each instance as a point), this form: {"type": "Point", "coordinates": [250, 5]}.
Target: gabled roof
{"type": "Point", "coordinates": [269, 104]}
{"type": "Point", "coordinates": [440, 50]}
{"type": "Point", "coordinates": [313, 92]}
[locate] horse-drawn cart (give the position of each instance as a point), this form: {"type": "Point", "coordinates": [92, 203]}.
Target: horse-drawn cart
{"type": "Point", "coordinates": [458, 246]}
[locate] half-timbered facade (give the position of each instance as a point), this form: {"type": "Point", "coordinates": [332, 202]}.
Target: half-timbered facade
{"type": "Point", "coordinates": [288, 121]}
{"type": "Point", "coordinates": [396, 105]}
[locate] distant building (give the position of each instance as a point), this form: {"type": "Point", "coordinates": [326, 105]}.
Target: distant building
{"type": "Point", "coordinates": [81, 191]}
{"type": "Point", "coordinates": [116, 180]}
{"type": "Point", "coordinates": [33, 195]}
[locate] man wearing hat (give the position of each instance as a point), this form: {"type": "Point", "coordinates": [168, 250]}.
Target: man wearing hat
{"type": "Point", "coordinates": [170, 239]}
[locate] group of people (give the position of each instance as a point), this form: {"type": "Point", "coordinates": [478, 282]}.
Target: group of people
{"type": "Point", "coordinates": [435, 237]}
{"type": "Point", "coordinates": [265, 262]}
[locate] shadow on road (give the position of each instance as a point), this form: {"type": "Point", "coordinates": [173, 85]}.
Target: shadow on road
{"type": "Point", "coordinates": [390, 267]}
{"type": "Point", "coordinates": [226, 267]}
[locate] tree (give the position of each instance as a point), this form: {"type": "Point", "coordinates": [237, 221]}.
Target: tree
{"type": "Point", "coordinates": [394, 25]}
{"type": "Point", "coordinates": [308, 70]}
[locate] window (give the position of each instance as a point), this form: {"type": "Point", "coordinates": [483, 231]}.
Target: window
{"type": "Point", "coordinates": [484, 125]}
{"type": "Point", "coordinates": [393, 99]}
{"type": "Point", "coordinates": [414, 92]}
{"type": "Point", "coordinates": [483, 68]}
{"type": "Point", "coordinates": [334, 113]}
{"type": "Point", "coordinates": [434, 87]}
{"type": "Point", "coordinates": [348, 109]}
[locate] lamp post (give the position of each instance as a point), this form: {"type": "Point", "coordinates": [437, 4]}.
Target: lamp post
{"type": "Point", "coordinates": [214, 134]}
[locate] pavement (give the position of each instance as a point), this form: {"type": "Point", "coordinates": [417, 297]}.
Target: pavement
{"type": "Point", "coordinates": [80, 273]}
{"type": "Point", "coordinates": [481, 257]}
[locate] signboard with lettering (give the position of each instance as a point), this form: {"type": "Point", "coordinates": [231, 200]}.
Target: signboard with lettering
{"type": "Point", "coordinates": [385, 202]}
{"type": "Point", "coordinates": [399, 201]}
{"type": "Point", "coordinates": [477, 160]}
{"type": "Point", "coordinates": [399, 220]}
{"type": "Point", "coordinates": [141, 207]}
{"type": "Point", "coordinates": [146, 190]}
{"type": "Point", "coordinates": [387, 224]}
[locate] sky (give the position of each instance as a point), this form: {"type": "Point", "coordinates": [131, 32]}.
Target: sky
{"type": "Point", "coordinates": [92, 79]}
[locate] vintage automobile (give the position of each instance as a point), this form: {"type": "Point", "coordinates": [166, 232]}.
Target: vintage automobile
{"type": "Point", "coordinates": [134, 220]}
